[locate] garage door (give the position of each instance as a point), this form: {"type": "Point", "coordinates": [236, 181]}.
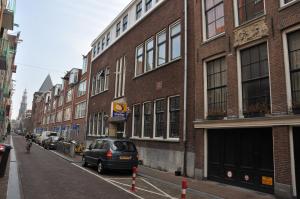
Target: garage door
{"type": "Point", "coordinates": [297, 157]}
{"type": "Point", "coordinates": [242, 157]}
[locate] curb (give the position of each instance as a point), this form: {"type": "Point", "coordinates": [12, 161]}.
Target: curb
{"type": "Point", "coordinates": [65, 157]}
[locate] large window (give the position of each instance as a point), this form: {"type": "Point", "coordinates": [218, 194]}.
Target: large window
{"type": "Point", "coordinates": [250, 9]}
{"type": "Point", "coordinates": [100, 82]}
{"type": "Point", "coordinates": [216, 88]}
{"type": "Point", "coordinates": [139, 60]}
{"type": "Point", "coordinates": [214, 14]}
{"type": "Point", "coordinates": [148, 124]}
{"type": "Point", "coordinates": [97, 124]}
{"type": "Point", "coordinates": [160, 119]}
{"type": "Point", "coordinates": [148, 4]}
{"type": "Point", "coordinates": [67, 114]}
{"type": "Point", "coordinates": [54, 104]}
{"type": "Point", "coordinates": [84, 64]}
{"type": "Point", "coordinates": [59, 116]}
{"type": "Point", "coordinates": [120, 77]}
{"type": "Point", "coordinates": [174, 117]}
{"type": "Point", "coordinates": [80, 110]}
{"type": "Point", "coordinates": [81, 88]}
{"type": "Point", "coordinates": [61, 99]}
{"type": "Point", "coordinates": [161, 40]}
{"type": "Point", "coordinates": [149, 62]}
{"type": "Point", "coordinates": [175, 40]}
{"type": "Point", "coordinates": [69, 95]}
{"type": "Point", "coordinates": [255, 80]}
{"type": "Point", "coordinates": [137, 120]}
{"type": "Point", "coordinates": [139, 9]}
{"type": "Point", "coordinates": [294, 58]}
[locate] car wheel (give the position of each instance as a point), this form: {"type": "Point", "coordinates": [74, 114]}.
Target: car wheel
{"type": "Point", "coordinates": [100, 168]}
{"type": "Point", "coordinates": [84, 163]}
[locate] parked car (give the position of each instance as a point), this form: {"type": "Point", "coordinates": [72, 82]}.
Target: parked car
{"type": "Point", "coordinates": [45, 135]}
{"type": "Point", "coordinates": [51, 142]}
{"type": "Point", "coordinates": [111, 154]}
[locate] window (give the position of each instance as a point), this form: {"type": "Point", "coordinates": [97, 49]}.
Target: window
{"type": "Point", "coordinates": [98, 47]}
{"type": "Point", "coordinates": [118, 29]}
{"type": "Point", "coordinates": [294, 59]}
{"type": "Point", "coordinates": [54, 104]}
{"type": "Point", "coordinates": [106, 82]}
{"type": "Point", "coordinates": [59, 116]}
{"type": "Point", "coordinates": [94, 51]}
{"type": "Point", "coordinates": [80, 110]}
{"type": "Point", "coordinates": [147, 119]}
{"type": "Point", "coordinates": [69, 95]}
{"type": "Point", "coordinates": [214, 15]}
{"type": "Point", "coordinates": [60, 100]}
{"type": "Point", "coordinates": [255, 80]}
{"type": "Point", "coordinates": [103, 43]}
{"type": "Point", "coordinates": [84, 64]}
{"type": "Point", "coordinates": [175, 41]}
{"type": "Point", "coordinates": [125, 22]}
{"type": "Point", "coordinates": [160, 119]}
{"type": "Point", "coordinates": [216, 88]}
{"type": "Point", "coordinates": [284, 2]}
{"type": "Point", "coordinates": [148, 4]}
{"type": "Point", "coordinates": [174, 117]}
{"type": "Point", "coordinates": [97, 124]}
{"type": "Point", "coordinates": [120, 77]}
{"type": "Point", "coordinates": [67, 114]}
{"type": "Point", "coordinates": [81, 88]}
{"type": "Point", "coordinates": [107, 39]}
{"type": "Point", "coordinates": [139, 60]}
{"type": "Point", "coordinates": [161, 40]}
{"type": "Point", "coordinates": [94, 86]}
{"type": "Point", "coordinates": [137, 120]}
{"type": "Point", "coordinates": [100, 82]}
{"type": "Point", "coordinates": [250, 9]}
{"type": "Point", "coordinates": [139, 10]}
{"type": "Point", "coordinates": [149, 62]}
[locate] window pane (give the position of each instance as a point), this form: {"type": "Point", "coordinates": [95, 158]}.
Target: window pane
{"type": "Point", "coordinates": [175, 29]}
{"type": "Point", "coordinates": [176, 45]}
{"type": "Point", "coordinates": [249, 9]}
{"type": "Point", "coordinates": [161, 54]}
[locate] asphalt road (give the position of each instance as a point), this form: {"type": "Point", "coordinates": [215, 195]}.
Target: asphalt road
{"type": "Point", "coordinates": [44, 175]}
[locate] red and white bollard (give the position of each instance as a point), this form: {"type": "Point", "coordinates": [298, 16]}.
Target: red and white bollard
{"type": "Point", "coordinates": [133, 179]}
{"type": "Point", "coordinates": [183, 190]}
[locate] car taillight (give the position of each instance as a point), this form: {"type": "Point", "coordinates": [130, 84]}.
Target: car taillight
{"type": "Point", "coordinates": [109, 154]}
{"type": "Point", "coordinates": [2, 148]}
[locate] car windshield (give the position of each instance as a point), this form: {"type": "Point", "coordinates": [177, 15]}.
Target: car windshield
{"type": "Point", "coordinates": [55, 138]}
{"type": "Point", "coordinates": [123, 146]}
{"type": "Point", "coordinates": [52, 134]}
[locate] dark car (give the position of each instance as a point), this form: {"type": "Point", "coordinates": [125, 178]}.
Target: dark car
{"type": "Point", "coordinates": [111, 154]}
{"type": "Point", "coordinates": [51, 142]}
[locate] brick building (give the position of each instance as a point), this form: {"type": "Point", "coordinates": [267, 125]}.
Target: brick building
{"type": "Point", "coordinates": [62, 108]}
{"type": "Point", "coordinates": [247, 94]}
{"type": "Point", "coordinates": [137, 86]}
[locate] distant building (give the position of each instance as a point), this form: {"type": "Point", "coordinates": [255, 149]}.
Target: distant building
{"type": "Point", "coordinates": [23, 106]}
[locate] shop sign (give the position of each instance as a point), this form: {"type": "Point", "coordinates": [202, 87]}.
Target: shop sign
{"type": "Point", "coordinates": [267, 180]}
{"type": "Point", "coordinates": [119, 109]}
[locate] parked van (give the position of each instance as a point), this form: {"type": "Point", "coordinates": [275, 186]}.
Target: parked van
{"type": "Point", "coordinates": [45, 135]}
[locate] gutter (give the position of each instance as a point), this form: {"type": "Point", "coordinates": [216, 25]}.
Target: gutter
{"type": "Point", "coordinates": [185, 89]}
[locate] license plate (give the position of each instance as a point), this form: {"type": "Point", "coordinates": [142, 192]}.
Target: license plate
{"type": "Point", "coordinates": [125, 157]}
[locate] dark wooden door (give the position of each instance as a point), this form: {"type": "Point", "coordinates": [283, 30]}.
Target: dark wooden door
{"type": "Point", "coordinates": [242, 157]}
{"type": "Point", "coordinates": [297, 157]}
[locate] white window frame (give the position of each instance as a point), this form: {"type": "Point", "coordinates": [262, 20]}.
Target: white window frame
{"type": "Point", "coordinates": [143, 119]}
{"type": "Point", "coordinates": [239, 73]}
{"type": "Point", "coordinates": [69, 99]}
{"type": "Point", "coordinates": [168, 120]}
{"type": "Point", "coordinates": [133, 124]}
{"type": "Point", "coordinates": [236, 14]}
{"type": "Point", "coordinates": [120, 77]}
{"type": "Point", "coordinates": [282, 4]}
{"type": "Point", "coordinates": [136, 60]}
{"type": "Point", "coordinates": [78, 111]}
{"type": "Point", "coordinates": [154, 119]}
{"type": "Point", "coordinates": [145, 55]}
{"type": "Point", "coordinates": [287, 65]}
{"type": "Point", "coordinates": [170, 41]}
{"type": "Point", "coordinates": [65, 110]}
{"type": "Point", "coordinates": [164, 31]}
{"type": "Point", "coordinates": [81, 93]}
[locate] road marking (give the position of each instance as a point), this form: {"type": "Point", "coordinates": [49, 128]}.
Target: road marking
{"type": "Point", "coordinates": [142, 189]}
{"type": "Point", "coordinates": [157, 188]}
{"type": "Point", "coordinates": [108, 181]}
{"type": "Point", "coordinates": [119, 178]}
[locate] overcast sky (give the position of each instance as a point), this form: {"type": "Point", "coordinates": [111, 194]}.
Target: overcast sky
{"type": "Point", "coordinates": [55, 34]}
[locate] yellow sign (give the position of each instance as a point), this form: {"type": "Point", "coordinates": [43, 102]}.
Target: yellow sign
{"type": "Point", "coordinates": [267, 180]}
{"type": "Point", "coordinates": [119, 107]}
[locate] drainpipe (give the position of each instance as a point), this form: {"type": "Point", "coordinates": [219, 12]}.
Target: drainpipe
{"type": "Point", "coordinates": [89, 63]}
{"type": "Point", "coordinates": [185, 90]}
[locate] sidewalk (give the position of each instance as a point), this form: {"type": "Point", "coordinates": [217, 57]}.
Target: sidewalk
{"type": "Point", "coordinates": [209, 188]}
{"type": "Point", "coordinates": [4, 180]}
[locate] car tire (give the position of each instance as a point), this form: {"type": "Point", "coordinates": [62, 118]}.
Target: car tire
{"type": "Point", "coordinates": [84, 163]}
{"type": "Point", "coordinates": [100, 168]}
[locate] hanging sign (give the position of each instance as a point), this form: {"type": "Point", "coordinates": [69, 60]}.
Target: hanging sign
{"type": "Point", "coordinates": [119, 109]}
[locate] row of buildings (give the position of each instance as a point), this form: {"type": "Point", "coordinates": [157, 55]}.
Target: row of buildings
{"type": "Point", "coordinates": [207, 87]}
{"type": "Point", "coordinates": [8, 47]}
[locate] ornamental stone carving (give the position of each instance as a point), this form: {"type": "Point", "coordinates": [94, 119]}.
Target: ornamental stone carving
{"type": "Point", "coordinates": [250, 32]}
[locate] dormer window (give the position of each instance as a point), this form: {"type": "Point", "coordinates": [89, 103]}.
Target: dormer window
{"type": "Point", "coordinates": [125, 22]}
{"type": "Point", "coordinates": [73, 76]}
{"type": "Point", "coordinates": [118, 29]}
{"type": "Point", "coordinates": [139, 10]}
{"type": "Point", "coordinates": [107, 39]}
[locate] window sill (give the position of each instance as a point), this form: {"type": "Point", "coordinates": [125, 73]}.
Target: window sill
{"type": "Point", "coordinates": [79, 118]}
{"type": "Point", "coordinates": [246, 23]}
{"type": "Point", "coordinates": [99, 93]}
{"type": "Point", "coordinates": [175, 140]}
{"type": "Point", "coordinates": [213, 38]}
{"type": "Point", "coordinates": [287, 5]}
{"type": "Point", "coordinates": [158, 67]}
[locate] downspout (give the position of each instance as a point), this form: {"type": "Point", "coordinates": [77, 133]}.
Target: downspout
{"type": "Point", "coordinates": [89, 56]}
{"type": "Point", "coordinates": [185, 91]}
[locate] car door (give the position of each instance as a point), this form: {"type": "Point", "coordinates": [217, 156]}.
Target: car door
{"type": "Point", "coordinates": [88, 152]}
{"type": "Point", "coordinates": [96, 151]}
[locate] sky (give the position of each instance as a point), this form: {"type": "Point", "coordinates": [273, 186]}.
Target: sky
{"type": "Point", "coordinates": [55, 34]}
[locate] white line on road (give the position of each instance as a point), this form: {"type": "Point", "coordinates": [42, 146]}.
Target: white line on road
{"type": "Point", "coordinates": [167, 195]}
{"type": "Point", "coordinates": [108, 181]}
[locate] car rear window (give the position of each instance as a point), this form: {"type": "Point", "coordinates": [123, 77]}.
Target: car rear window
{"type": "Point", "coordinates": [123, 146]}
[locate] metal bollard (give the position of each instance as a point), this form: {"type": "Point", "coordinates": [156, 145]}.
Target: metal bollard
{"type": "Point", "coordinates": [133, 189]}
{"type": "Point", "coordinates": [183, 190]}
